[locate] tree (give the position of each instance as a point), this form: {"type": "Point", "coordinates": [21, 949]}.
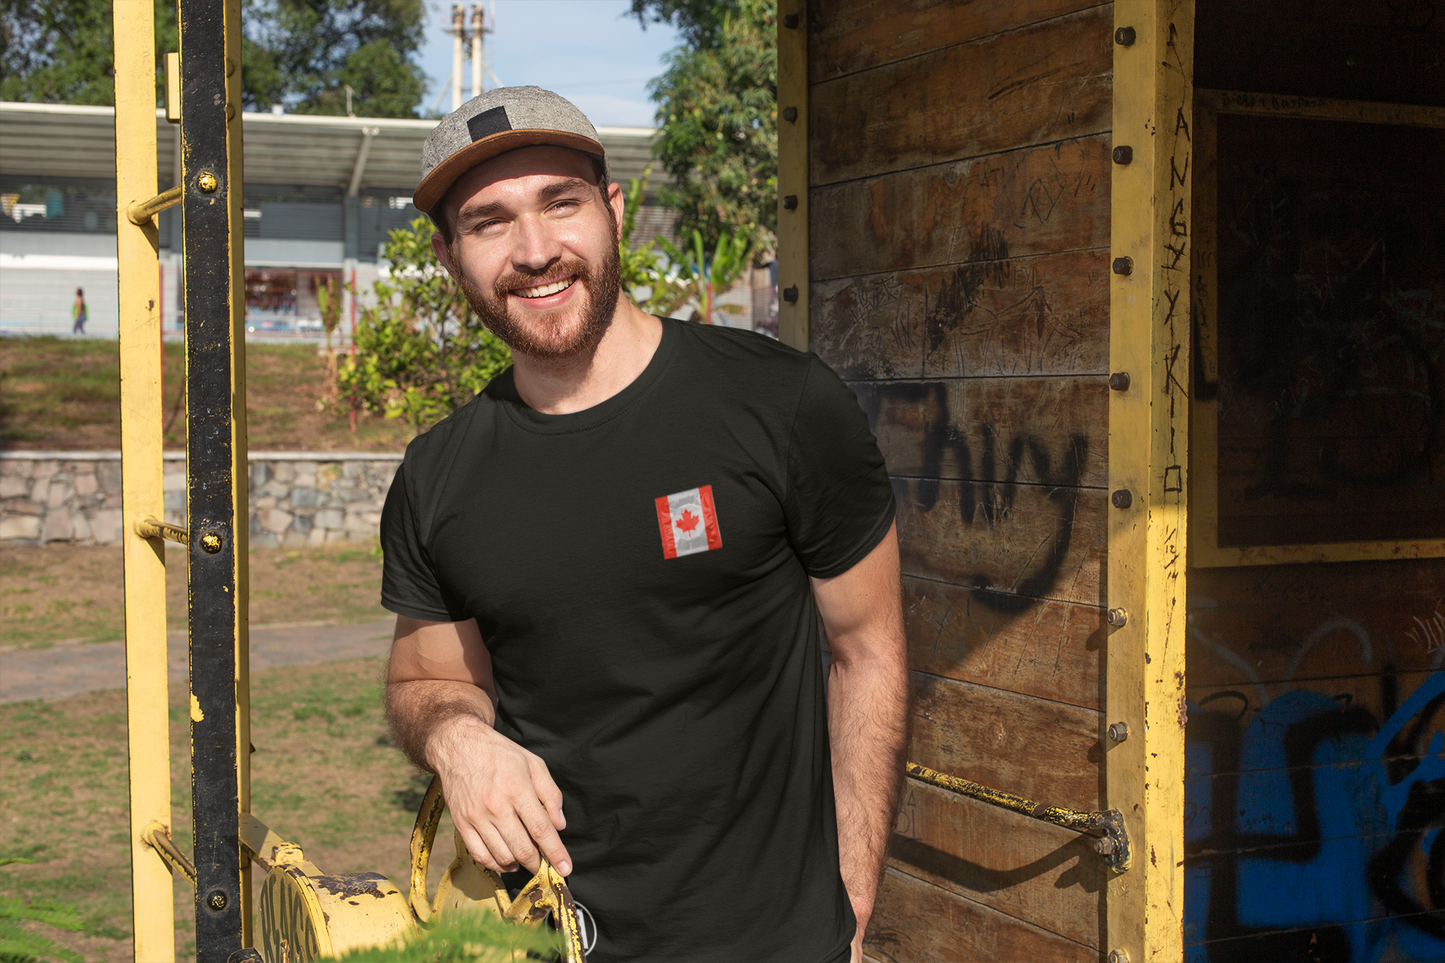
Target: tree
{"type": "Point", "coordinates": [718, 114]}
{"type": "Point", "coordinates": [304, 53]}
{"type": "Point", "coordinates": [301, 53]}
{"type": "Point", "coordinates": [61, 51]}
{"type": "Point", "coordinates": [420, 351]}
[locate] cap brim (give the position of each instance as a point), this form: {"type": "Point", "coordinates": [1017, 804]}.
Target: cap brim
{"type": "Point", "coordinates": [435, 185]}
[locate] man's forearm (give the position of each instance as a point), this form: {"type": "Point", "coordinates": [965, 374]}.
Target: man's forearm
{"type": "Point", "coordinates": [867, 727]}
{"type": "Point", "coordinates": [417, 708]}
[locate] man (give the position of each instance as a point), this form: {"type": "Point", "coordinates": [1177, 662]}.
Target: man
{"type": "Point", "coordinates": [609, 569]}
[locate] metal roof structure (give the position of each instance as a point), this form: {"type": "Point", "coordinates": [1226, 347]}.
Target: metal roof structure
{"type": "Point", "coordinates": [353, 153]}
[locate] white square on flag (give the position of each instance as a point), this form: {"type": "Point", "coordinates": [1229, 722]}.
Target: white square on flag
{"type": "Point", "coordinates": [688, 522]}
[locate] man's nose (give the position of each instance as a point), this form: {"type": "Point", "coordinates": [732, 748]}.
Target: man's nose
{"type": "Point", "coordinates": [536, 246]}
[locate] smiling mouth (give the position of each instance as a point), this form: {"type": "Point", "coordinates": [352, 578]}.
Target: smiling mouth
{"type": "Point", "coordinates": [546, 290]}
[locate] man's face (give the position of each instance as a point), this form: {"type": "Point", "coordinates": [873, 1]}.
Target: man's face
{"type": "Point", "coordinates": [535, 250]}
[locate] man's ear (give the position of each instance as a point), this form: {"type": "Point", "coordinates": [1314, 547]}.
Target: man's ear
{"type": "Point", "coordinates": [444, 255]}
{"type": "Point", "coordinates": [617, 201]}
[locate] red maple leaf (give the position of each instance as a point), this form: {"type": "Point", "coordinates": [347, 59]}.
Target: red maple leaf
{"type": "Point", "coordinates": [688, 521]}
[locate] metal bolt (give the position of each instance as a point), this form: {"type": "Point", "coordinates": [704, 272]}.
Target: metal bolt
{"type": "Point", "coordinates": [1117, 617]}
{"type": "Point", "coordinates": [211, 543]}
{"type": "Point", "coordinates": [790, 21]}
{"type": "Point", "coordinates": [1124, 265]}
{"type": "Point", "coordinates": [790, 114]}
{"type": "Point", "coordinates": [1105, 846]}
{"type": "Point", "coordinates": [790, 293]}
{"type": "Point", "coordinates": [790, 203]}
{"type": "Point", "coordinates": [1124, 37]}
{"type": "Point", "coordinates": [216, 900]}
{"type": "Point", "coordinates": [1123, 155]}
{"type": "Point", "coordinates": [1118, 731]}
{"type": "Point", "coordinates": [1119, 381]}
{"type": "Point", "coordinates": [207, 182]}
{"type": "Point", "coordinates": [1122, 498]}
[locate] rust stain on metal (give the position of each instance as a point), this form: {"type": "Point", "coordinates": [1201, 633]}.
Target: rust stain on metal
{"type": "Point", "coordinates": [348, 885]}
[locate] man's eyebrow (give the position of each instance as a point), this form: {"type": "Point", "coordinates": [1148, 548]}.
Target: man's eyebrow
{"type": "Point", "coordinates": [550, 192]}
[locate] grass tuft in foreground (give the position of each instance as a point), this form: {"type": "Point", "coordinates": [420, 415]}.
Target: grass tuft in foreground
{"type": "Point", "coordinates": [475, 937]}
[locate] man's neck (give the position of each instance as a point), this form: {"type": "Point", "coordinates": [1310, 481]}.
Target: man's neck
{"type": "Point", "coordinates": [576, 384]}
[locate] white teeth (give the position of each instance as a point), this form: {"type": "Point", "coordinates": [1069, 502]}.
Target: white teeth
{"type": "Point", "coordinates": [545, 290]}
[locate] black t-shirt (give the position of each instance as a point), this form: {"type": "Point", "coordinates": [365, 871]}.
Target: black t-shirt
{"type": "Point", "coordinates": [639, 571]}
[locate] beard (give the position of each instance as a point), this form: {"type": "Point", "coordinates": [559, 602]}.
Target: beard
{"type": "Point", "coordinates": [556, 336]}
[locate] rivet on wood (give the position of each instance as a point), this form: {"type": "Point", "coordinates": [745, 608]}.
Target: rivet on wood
{"type": "Point", "coordinates": [1119, 381]}
{"type": "Point", "coordinates": [1124, 266]}
{"type": "Point", "coordinates": [1124, 37]}
{"type": "Point", "coordinates": [1118, 731]}
{"type": "Point", "coordinates": [1122, 498]}
{"type": "Point", "coordinates": [1123, 154]}
{"type": "Point", "coordinates": [790, 114]}
{"type": "Point", "coordinates": [790, 20]}
{"type": "Point", "coordinates": [790, 293]}
{"type": "Point", "coordinates": [790, 203]}
{"type": "Point", "coordinates": [1117, 617]}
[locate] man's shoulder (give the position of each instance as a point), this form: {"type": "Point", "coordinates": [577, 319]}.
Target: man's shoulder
{"type": "Point", "coordinates": [438, 443]}
{"type": "Point", "coordinates": [741, 359]}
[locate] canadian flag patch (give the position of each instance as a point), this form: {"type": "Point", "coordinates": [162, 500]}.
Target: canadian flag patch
{"type": "Point", "coordinates": [688, 521]}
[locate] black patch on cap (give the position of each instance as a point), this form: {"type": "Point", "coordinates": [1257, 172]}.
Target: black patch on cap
{"type": "Point", "coordinates": [488, 122]}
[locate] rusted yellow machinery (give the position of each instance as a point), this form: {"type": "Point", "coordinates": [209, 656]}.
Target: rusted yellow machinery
{"type": "Point", "coordinates": [304, 914]}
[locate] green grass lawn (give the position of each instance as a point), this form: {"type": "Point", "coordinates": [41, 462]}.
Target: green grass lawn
{"type": "Point", "coordinates": [64, 393]}
{"type": "Point", "coordinates": [325, 774]}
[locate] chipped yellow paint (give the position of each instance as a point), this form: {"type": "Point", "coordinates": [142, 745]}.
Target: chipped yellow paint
{"type": "Point", "coordinates": [1149, 339]}
{"type": "Point", "coordinates": [196, 714]}
{"type": "Point", "coordinates": [141, 411]}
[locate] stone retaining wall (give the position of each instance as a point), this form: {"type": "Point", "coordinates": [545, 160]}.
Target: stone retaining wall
{"type": "Point", "coordinates": [297, 498]}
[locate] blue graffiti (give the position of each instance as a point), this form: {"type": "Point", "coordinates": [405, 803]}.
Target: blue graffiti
{"type": "Point", "coordinates": [1313, 833]}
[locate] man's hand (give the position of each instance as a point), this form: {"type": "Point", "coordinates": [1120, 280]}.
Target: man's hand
{"type": "Point", "coordinates": [442, 703]}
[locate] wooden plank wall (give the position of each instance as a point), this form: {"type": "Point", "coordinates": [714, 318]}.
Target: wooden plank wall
{"type": "Point", "coordinates": [1315, 776]}
{"type": "Point", "coordinates": [958, 234]}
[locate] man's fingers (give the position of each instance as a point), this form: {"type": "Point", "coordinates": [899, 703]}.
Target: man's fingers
{"type": "Point", "coordinates": [486, 847]}
{"type": "Point", "coordinates": [547, 792]}
{"type": "Point", "coordinates": [541, 826]}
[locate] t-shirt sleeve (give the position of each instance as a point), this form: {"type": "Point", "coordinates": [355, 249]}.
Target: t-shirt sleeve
{"type": "Point", "coordinates": [408, 581]}
{"type": "Point", "coordinates": [839, 503]}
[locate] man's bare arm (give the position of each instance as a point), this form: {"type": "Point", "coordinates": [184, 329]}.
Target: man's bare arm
{"type": "Point", "coordinates": [862, 613]}
{"type": "Point", "coordinates": [441, 701]}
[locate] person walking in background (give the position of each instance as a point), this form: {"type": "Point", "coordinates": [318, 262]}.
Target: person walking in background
{"type": "Point", "coordinates": [78, 312]}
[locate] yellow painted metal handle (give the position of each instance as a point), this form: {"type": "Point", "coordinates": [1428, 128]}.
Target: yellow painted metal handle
{"type": "Point", "coordinates": [158, 837]}
{"type": "Point", "coordinates": [148, 526]}
{"type": "Point", "coordinates": [546, 892]}
{"type": "Point", "coordinates": [1113, 844]}
{"type": "Point", "coordinates": [140, 212]}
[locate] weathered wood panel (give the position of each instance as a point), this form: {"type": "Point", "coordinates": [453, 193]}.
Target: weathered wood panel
{"type": "Point", "coordinates": [1028, 430]}
{"type": "Point", "coordinates": [1047, 751]}
{"type": "Point", "coordinates": [1044, 83]}
{"type": "Point", "coordinates": [1050, 649]}
{"type": "Point", "coordinates": [1014, 543]}
{"type": "Point", "coordinates": [1019, 866]}
{"type": "Point", "coordinates": [1045, 315]}
{"type": "Point", "coordinates": [852, 35]}
{"type": "Point", "coordinates": [1040, 200]}
{"type": "Point", "coordinates": [1275, 624]}
{"type": "Point", "coordinates": [916, 921]}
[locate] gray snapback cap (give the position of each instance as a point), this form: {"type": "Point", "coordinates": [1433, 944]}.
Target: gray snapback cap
{"type": "Point", "coordinates": [494, 123]}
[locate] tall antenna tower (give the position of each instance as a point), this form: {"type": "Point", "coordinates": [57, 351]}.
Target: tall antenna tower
{"type": "Point", "coordinates": [462, 37]}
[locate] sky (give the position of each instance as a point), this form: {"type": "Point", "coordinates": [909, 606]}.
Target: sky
{"type": "Point", "coordinates": [593, 52]}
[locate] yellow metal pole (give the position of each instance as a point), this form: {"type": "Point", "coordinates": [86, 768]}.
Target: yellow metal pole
{"type": "Point", "coordinates": [140, 429]}
{"type": "Point", "coordinates": [240, 476]}
{"type": "Point", "coordinates": [1148, 467]}
{"type": "Point", "coordinates": [793, 327]}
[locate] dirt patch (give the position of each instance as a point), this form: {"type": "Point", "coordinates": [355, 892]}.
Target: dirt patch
{"type": "Point", "coordinates": [325, 774]}
{"type": "Point", "coordinates": [64, 394]}
{"type": "Point", "coordinates": [62, 593]}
